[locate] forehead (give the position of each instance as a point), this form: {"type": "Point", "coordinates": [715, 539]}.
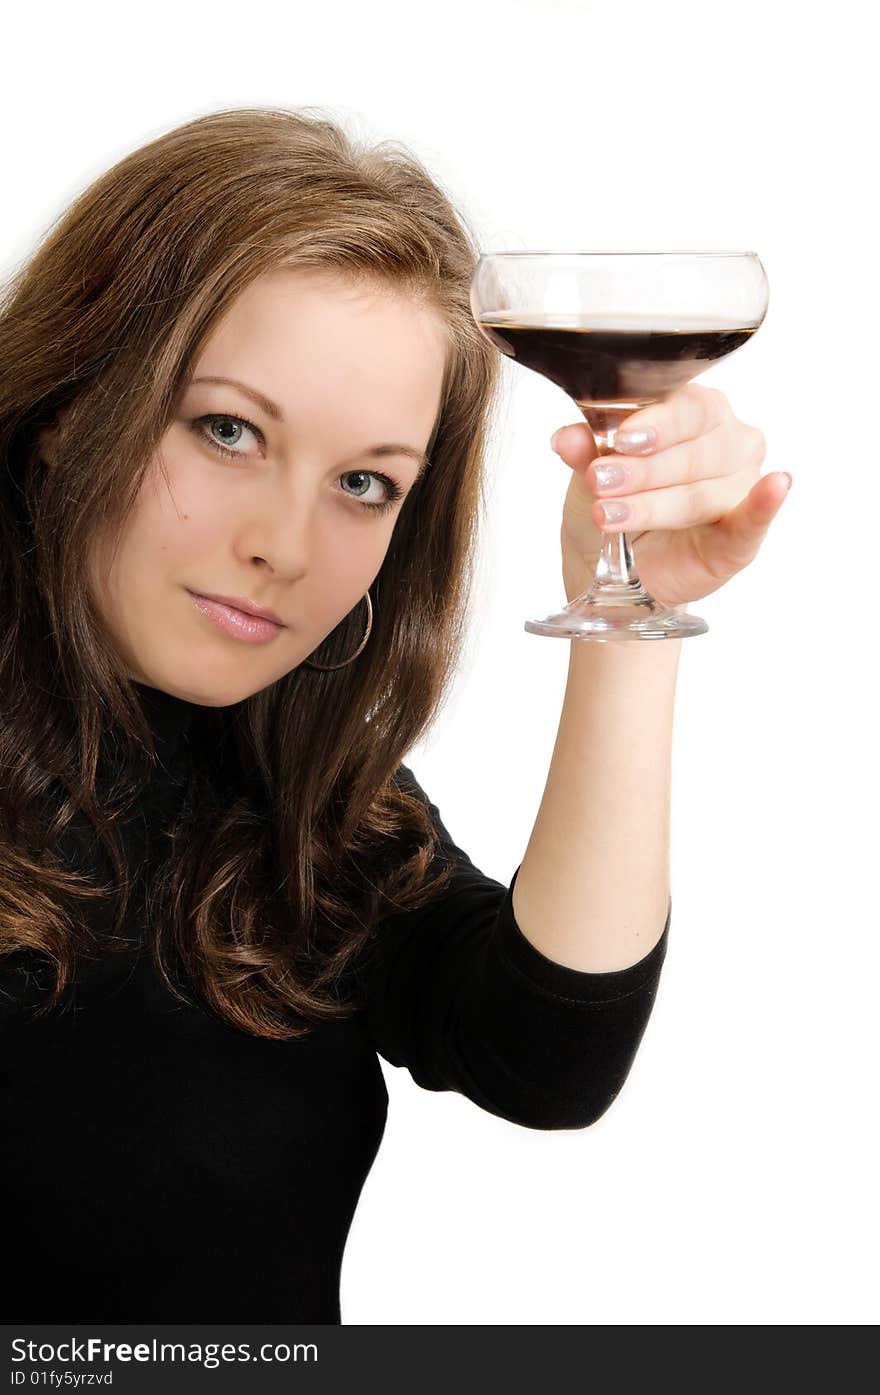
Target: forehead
{"type": "Point", "coordinates": [316, 342]}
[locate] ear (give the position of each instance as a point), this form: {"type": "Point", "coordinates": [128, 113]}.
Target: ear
{"type": "Point", "coordinates": [47, 439]}
{"type": "Point", "coordinates": [46, 444]}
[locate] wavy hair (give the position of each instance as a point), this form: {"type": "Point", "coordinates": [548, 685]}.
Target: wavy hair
{"type": "Point", "coordinates": [294, 839]}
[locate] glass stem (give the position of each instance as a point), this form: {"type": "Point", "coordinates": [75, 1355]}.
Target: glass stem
{"type": "Point", "coordinates": [616, 569]}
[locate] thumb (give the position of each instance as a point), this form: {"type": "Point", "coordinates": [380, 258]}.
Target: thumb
{"type": "Point", "coordinates": [739, 534]}
{"type": "Point", "coordinates": [768, 493]}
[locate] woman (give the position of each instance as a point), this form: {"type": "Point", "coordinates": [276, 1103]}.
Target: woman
{"type": "Point", "coordinates": [244, 364]}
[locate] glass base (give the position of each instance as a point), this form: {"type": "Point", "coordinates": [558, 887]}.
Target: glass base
{"type": "Point", "coordinates": [633, 614]}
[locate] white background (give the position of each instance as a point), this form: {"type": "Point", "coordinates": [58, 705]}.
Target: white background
{"type": "Point", "coordinates": [734, 1179]}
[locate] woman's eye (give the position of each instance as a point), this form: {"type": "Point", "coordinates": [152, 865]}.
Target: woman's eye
{"type": "Point", "coordinates": [226, 421]}
{"type": "Point", "coordinates": [391, 491]}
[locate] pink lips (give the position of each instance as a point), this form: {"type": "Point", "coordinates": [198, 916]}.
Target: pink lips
{"type": "Point", "coordinates": [243, 603]}
{"type": "Point", "coordinates": [237, 623]}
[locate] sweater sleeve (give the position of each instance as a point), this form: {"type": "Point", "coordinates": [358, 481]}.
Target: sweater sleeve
{"type": "Point", "coordinates": [457, 995]}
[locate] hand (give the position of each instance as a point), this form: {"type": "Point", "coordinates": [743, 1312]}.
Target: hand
{"type": "Point", "coordinates": [699, 506]}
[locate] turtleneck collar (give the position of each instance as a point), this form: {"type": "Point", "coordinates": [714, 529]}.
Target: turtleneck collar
{"type": "Point", "coordinates": [169, 717]}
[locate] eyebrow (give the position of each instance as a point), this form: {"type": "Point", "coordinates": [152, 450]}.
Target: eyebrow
{"type": "Point", "coordinates": [274, 411]}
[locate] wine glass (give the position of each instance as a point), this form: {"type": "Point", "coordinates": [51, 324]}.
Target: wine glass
{"type": "Point", "coordinates": [618, 331]}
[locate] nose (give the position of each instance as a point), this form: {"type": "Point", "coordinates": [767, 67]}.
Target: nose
{"type": "Point", "coordinates": [290, 528]}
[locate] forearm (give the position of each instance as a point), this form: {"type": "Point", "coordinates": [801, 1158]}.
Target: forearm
{"type": "Point", "coordinates": [593, 887]}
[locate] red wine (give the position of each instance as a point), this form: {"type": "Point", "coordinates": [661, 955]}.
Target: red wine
{"type": "Point", "coordinates": [618, 361]}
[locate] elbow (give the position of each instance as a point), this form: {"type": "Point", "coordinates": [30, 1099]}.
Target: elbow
{"type": "Point", "coordinates": [549, 1113]}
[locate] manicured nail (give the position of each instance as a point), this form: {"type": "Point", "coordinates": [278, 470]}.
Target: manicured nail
{"type": "Point", "coordinates": [608, 476]}
{"type": "Point", "coordinates": [636, 442]}
{"type": "Point", "coordinates": [615, 513]}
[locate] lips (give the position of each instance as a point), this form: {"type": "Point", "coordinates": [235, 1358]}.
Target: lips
{"type": "Point", "coordinates": [237, 624]}
{"type": "Point", "coordinates": [242, 603]}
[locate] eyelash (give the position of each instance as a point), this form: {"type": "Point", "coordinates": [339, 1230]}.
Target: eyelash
{"type": "Point", "coordinates": [394, 490]}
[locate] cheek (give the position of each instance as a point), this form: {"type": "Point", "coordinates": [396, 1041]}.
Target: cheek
{"type": "Point", "coordinates": [179, 515]}
{"type": "Point", "coordinates": [338, 577]}
{"type": "Point", "coordinates": [180, 507]}
{"type": "Point", "coordinates": [132, 562]}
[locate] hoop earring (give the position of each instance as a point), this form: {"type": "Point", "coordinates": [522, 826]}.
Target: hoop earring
{"type": "Point", "coordinates": [360, 647]}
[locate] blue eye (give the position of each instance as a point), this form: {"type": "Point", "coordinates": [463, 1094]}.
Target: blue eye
{"type": "Point", "coordinates": [393, 490]}
{"type": "Point", "coordinates": [224, 450]}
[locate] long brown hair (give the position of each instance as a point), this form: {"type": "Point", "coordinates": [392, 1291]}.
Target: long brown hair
{"type": "Point", "coordinates": [297, 841]}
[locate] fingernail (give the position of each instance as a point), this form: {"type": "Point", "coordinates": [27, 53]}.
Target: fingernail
{"type": "Point", "coordinates": [636, 442]}
{"type": "Point", "coordinates": [554, 439]}
{"type": "Point", "coordinates": [788, 477]}
{"type": "Point", "coordinates": [608, 476]}
{"type": "Point", "coordinates": [615, 513]}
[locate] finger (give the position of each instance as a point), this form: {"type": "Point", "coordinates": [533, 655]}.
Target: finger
{"type": "Point", "coordinates": [575, 444]}
{"type": "Point", "coordinates": [692, 411]}
{"type": "Point", "coordinates": [689, 505]}
{"type": "Point", "coordinates": [687, 414]}
{"type": "Point", "coordinates": [735, 539]}
{"type": "Point", "coordinates": [727, 450]}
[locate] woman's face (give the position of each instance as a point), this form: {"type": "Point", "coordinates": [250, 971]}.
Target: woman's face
{"type": "Point", "coordinates": [285, 520]}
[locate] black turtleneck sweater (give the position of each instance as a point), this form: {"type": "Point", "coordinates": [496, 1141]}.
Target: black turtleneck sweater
{"type": "Point", "coordinates": [158, 1165]}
